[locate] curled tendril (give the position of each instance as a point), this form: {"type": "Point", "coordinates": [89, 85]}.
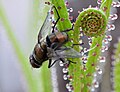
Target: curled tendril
{"type": "Point", "coordinates": [93, 22]}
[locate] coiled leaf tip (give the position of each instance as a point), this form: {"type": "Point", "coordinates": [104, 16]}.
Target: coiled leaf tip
{"type": "Point", "coordinates": [93, 22]}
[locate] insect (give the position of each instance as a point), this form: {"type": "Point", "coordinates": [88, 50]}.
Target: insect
{"type": "Point", "coordinates": [50, 45]}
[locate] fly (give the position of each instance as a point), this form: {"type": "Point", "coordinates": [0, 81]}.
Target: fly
{"type": "Point", "coordinates": [50, 45]}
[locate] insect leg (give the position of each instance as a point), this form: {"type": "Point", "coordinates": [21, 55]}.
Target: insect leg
{"type": "Point", "coordinates": [57, 19]}
{"type": "Point", "coordinates": [54, 45]}
{"type": "Point", "coordinates": [77, 44]}
{"type": "Point", "coordinates": [62, 60]}
{"type": "Point", "coordinates": [67, 60]}
{"type": "Point", "coordinates": [67, 30]}
{"type": "Point", "coordinates": [71, 61]}
{"type": "Point", "coordinates": [50, 63]}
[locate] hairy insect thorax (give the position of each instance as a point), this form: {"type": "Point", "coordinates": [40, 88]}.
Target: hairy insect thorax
{"type": "Point", "coordinates": [56, 37]}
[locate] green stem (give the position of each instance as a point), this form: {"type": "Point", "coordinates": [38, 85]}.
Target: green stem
{"type": "Point", "coordinates": [66, 24]}
{"type": "Point", "coordinates": [92, 59]}
{"type": "Point", "coordinates": [74, 69]}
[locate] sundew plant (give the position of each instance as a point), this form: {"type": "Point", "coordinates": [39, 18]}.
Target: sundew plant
{"type": "Point", "coordinates": [93, 22]}
{"type": "Point", "coordinates": [84, 73]}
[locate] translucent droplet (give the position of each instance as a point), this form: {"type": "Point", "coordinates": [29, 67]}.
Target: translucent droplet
{"type": "Point", "coordinates": [84, 62]}
{"type": "Point", "coordinates": [47, 3]}
{"type": "Point", "coordinates": [90, 6]}
{"type": "Point", "coordinates": [96, 84]}
{"type": "Point", "coordinates": [80, 41]}
{"type": "Point", "coordinates": [70, 77]}
{"type": "Point", "coordinates": [99, 2]}
{"type": "Point", "coordinates": [95, 74]}
{"type": "Point", "coordinates": [111, 27]}
{"type": "Point", "coordinates": [90, 42]}
{"type": "Point", "coordinates": [105, 41]}
{"type": "Point", "coordinates": [81, 34]}
{"type": "Point", "coordinates": [100, 71]}
{"type": "Point", "coordinates": [115, 4]}
{"type": "Point", "coordinates": [69, 89]}
{"type": "Point", "coordinates": [104, 48]}
{"type": "Point", "coordinates": [85, 50]}
{"type": "Point", "coordinates": [97, 68]}
{"type": "Point", "coordinates": [78, 12]}
{"type": "Point", "coordinates": [65, 70]}
{"type": "Point", "coordinates": [92, 89]}
{"type": "Point", "coordinates": [61, 63]}
{"type": "Point", "coordinates": [82, 52]}
{"type": "Point", "coordinates": [70, 83]}
{"type": "Point", "coordinates": [113, 17]}
{"type": "Point", "coordinates": [102, 59]}
{"type": "Point", "coordinates": [70, 10]}
{"type": "Point", "coordinates": [84, 58]}
{"type": "Point", "coordinates": [83, 9]}
{"type": "Point", "coordinates": [89, 38]}
{"type": "Point", "coordinates": [71, 17]}
{"type": "Point", "coordinates": [65, 77]}
{"type": "Point", "coordinates": [67, 65]}
{"type": "Point", "coordinates": [67, 86]}
{"type": "Point", "coordinates": [109, 37]}
{"type": "Point", "coordinates": [66, 3]}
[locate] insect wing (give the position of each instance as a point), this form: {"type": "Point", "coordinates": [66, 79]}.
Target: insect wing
{"type": "Point", "coordinates": [68, 53]}
{"type": "Point", "coordinates": [46, 28]}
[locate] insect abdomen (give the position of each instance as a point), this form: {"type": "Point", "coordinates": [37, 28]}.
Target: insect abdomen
{"type": "Point", "coordinates": [39, 56]}
{"type": "Point", "coordinates": [33, 62]}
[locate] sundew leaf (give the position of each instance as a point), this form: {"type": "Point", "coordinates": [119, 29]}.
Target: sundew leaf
{"type": "Point", "coordinates": [93, 58]}
{"type": "Point", "coordinates": [74, 69]}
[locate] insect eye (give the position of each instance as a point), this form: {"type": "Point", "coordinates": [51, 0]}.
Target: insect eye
{"type": "Point", "coordinates": [93, 22]}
